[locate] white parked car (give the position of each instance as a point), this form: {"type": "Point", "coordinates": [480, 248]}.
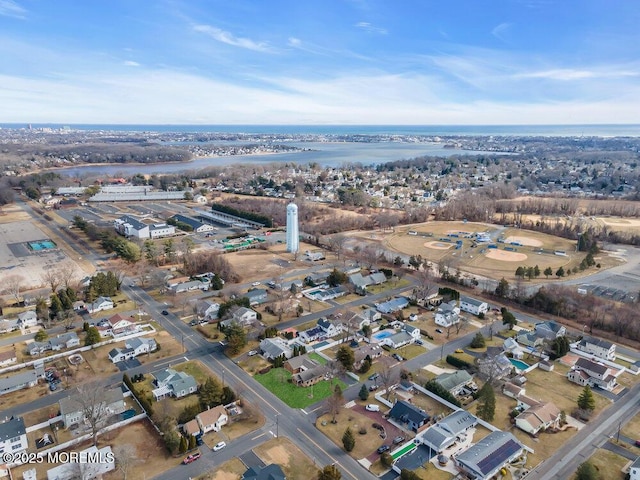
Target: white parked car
{"type": "Point", "coordinates": [372, 407]}
{"type": "Point", "coordinates": [251, 353]}
{"type": "Point", "coordinates": [219, 446]}
{"type": "Point", "coordinates": [256, 284]}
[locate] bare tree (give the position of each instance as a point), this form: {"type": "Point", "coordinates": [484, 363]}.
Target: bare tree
{"type": "Point", "coordinates": [337, 243]}
{"type": "Point", "coordinates": [334, 403]}
{"type": "Point", "coordinates": [13, 285]}
{"type": "Point", "coordinates": [67, 273]}
{"type": "Point", "coordinates": [125, 459]}
{"type": "Point", "coordinates": [90, 402]}
{"type": "Point", "coordinates": [52, 278]}
{"type": "Point", "coordinates": [386, 378]}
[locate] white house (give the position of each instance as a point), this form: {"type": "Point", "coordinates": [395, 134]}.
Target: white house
{"type": "Point", "coordinates": [133, 347]}
{"type": "Point", "coordinates": [448, 314]}
{"type": "Point", "coordinates": [245, 316]}
{"type": "Point", "coordinates": [100, 303]}
{"type": "Point", "coordinates": [397, 340]}
{"type": "Point", "coordinates": [13, 436]}
{"type": "Point", "coordinates": [158, 230]}
{"type": "Point", "coordinates": [586, 372]}
{"type": "Point", "coordinates": [212, 419]}
{"type": "Point", "coordinates": [117, 326]}
{"type": "Point", "coordinates": [129, 226]}
{"type": "Point", "coordinates": [473, 306]}
{"type": "Point", "coordinates": [598, 348]}
{"type": "Point", "coordinates": [512, 347]}
{"type": "Point", "coordinates": [634, 470]}
{"type": "Point", "coordinates": [540, 416]}
{"type": "Point", "coordinates": [275, 347]}
{"type": "Point", "coordinates": [27, 319]}
{"type": "Point", "coordinates": [92, 463]}
{"type": "Point", "coordinates": [207, 310]}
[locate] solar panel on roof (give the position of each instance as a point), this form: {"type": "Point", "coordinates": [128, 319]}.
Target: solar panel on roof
{"type": "Point", "coordinates": [498, 457]}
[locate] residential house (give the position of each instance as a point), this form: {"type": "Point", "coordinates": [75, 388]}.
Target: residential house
{"type": "Point", "coordinates": [305, 370]}
{"type": "Point", "coordinates": [540, 416]}
{"type": "Point", "coordinates": [275, 347]}
{"type": "Point", "coordinates": [473, 306]}
{"type": "Point", "coordinates": [13, 436]}
{"type": "Point", "coordinates": [454, 382]}
{"type": "Point", "coordinates": [598, 348]}
{"type": "Point", "coordinates": [256, 296]}
{"type": "Point", "coordinates": [486, 458]}
{"type": "Point", "coordinates": [130, 226]}
{"type": "Point", "coordinates": [393, 305]}
{"type": "Point", "coordinates": [201, 199]}
{"type": "Point", "coordinates": [353, 321]}
{"type": "Point", "coordinates": [63, 341]}
{"type": "Point", "coordinates": [587, 372]}
{"type": "Point", "coordinates": [361, 282]}
{"type": "Point", "coordinates": [100, 303]}
{"type": "Point", "coordinates": [494, 364]}
{"type": "Point", "coordinates": [169, 382]}
{"type": "Point", "coordinates": [7, 326]}
{"type": "Point", "coordinates": [529, 339]}
{"type": "Point", "coordinates": [511, 346]}
{"type": "Point", "coordinates": [72, 407]}
{"type": "Point", "coordinates": [447, 431]}
{"type": "Point", "coordinates": [371, 350]}
{"type": "Point", "coordinates": [550, 330]}
{"type": "Point", "coordinates": [189, 286]}
{"type": "Point", "coordinates": [269, 472]}
{"type": "Point", "coordinates": [634, 470]}
{"type": "Point", "coordinates": [409, 415]}
{"type": "Point", "coordinates": [331, 329]}
{"type": "Point", "coordinates": [19, 381]}
{"type": "Point", "coordinates": [118, 326]}
{"type": "Point", "coordinates": [207, 310]}
{"type": "Point", "coordinates": [414, 332]}
{"type": "Point", "coordinates": [8, 358]}
{"type": "Point", "coordinates": [370, 314]}
{"type": "Point", "coordinates": [397, 340]}
{"type": "Point", "coordinates": [448, 314]}
{"type": "Point", "coordinates": [315, 279]}
{"type": "Point", "coordinates": [512, 390]}
{"type": "Point", "coordinates": [244, 316]}
{"type": "Point", "coordinates": [212, 419]}
{"type": "Point", "coordinates": [92, 463]}
{"type": "Point", "coordinates": [27, 319]}
{"type": "Point", "coordinates": [133, 348]}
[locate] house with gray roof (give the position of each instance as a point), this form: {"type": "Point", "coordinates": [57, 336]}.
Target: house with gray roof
{"type": "Point", "coordinates": [393, 305]}
{"type": "Point", "coordinates": [256, 296]}
{"type": "Point", "coordinates": [443, 434]}
{"type": "Point", "coordinates": [72, 407]}
{"type": "Point", "coordinates": [485, 459]}
{"type": "Point", "coordinates": [598, 348]}
{"type": "Point", "coordinates": [133, 347]}
{"type": "Point", "coordinates": [130, 226]}
{"type": "Point", "coordinates": [594, 374]}
{"type": "Point", "coordinates": [270, 472]}
{"type": "Point", "coordinates": [397, 340]}
{"type": "Point", "coordinates": [13, 436]}
{"type": "Point", "coordinates": [361, 282]}
{"type": "Point", "coordinates": [529, 339]}
{"type": "Point", "coordinates": [170, 382]}
{"type": "Point", "coordinates": [494, 364]}
{"type": "Point", "coordinates": [27, 319]}
{"type": "Point", "coordinates": [196, 225]}
{"type": "Point", "coordinates": [473, 306]}
{"type": "Point", "coordinates": [634, 470]}
{"type": "Point", "coordinates": [453, 382]}
{"type": "Point", "coordinates": [550, 330]}
{"type": "Point", "coordinates": [448, 314]}
{"type": "Point", "coordinates": [19, 381]}
{"type": "Point", "coordinates": [275, 347]}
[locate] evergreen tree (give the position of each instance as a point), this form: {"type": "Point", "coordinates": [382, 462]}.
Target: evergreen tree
{"type": "Point", "coordinates": [520, 272]}
{"type": "Point", "coordinates": [55, 307]}
{"type": "Point", "coordinates": [330, 472]}
{"type": "Point", "coordinates": [502, 290]}
{"type": "Point", "coordinates": [536, 271]}
{"type": "Point", "coordinates": [210, 393]}
{"type": "Point", "coordinates": [65, 301]}
{"type": "Point", "coordinates": [236, 337]}
{"type": "Point", "coordinates": [183, 444]}
{"type": "Point", "coordinates": [586, 401]}
{"type": "Point", "coordinates": [345, 356]}
{"type": "Point", "coordinates": [508, 318]}
{"type": "Point", "coordinates": [41, 336]}
{"type": "Point", "coordinates": [364, 393]}
{"type": "Point", "coordinates": [192, 442]}
{"type": "Point", "coordinates": [478, 341]}
{"type": "Point", "coordinates": [348, 440]}
{"type": "Point", "coordinates": [560, 272]}
{"type": "Point", "coordinates": [486, 402]}
{"type": "Point", "coordinates": [548, 271]}
{"type": "Point", "coordinates": [586, 471]}
{"type": "Point", "coordinates": [93, 336]}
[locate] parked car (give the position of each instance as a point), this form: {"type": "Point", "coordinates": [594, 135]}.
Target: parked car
{"type": "Point", "coordinates": [413, 317]}
{"type": "Point", "coordinates": [438, 330]}
{"type": "Point", "coordinates": [256, 284]}
{"type": "Point", "coordinates": [373, 388]}
{"type": "Point", "coordinates": [397, 357]}
{"type": "Point", "coordinates": [193, 323]}
{"type": "Point", "coordinates": [374, 376]}
{"type": "Point", "coordinates": [219, 446]}
{"type": "Point", "coordinates": [398, 439]}
{"type": "Point", "coordinates": [191, 458]}
{"type": "Point", "coordinates": [419, 342]}
{"type": "Point", "coordinates": [372, 407]}
{"type": "Point", "coordinates": [459, 350]}
{"type": "Point", "coordinates": [53, 387]}
{"type": "Point", "coordinates": [383, 448]}
{"type": "Point", "coordinates": [251, 353]}
{"type": "Point", "coordinates": [637, 443]}
{"type": "Point", "coordinates": [164, 312]}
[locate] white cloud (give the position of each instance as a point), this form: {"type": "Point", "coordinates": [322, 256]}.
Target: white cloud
{"type": "Point", "coordinates": [131, 63]}
{"type": "Point", "coordinates": [567, 74]}
{"type": "Point", "coordinates": [294, 42]}
{"type": "Point", "coordinates": [230, 39]}
{"type": "Point", "coordinates": [501, 30]}
{"type": "Point", "coordinates": [367, 27]}
{"type": "Point", "coordinates": [9, 8]}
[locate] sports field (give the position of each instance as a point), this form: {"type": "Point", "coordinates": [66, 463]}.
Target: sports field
{"type": "Point", "coordinates": [484, 249]}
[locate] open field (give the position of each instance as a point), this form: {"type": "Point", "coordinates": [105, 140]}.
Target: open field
{"type": "Point", "coordinates": [230, 470]}
{"type": "Point", "coordinates": [608, 464]}
{"type": "Point", "coordinates": [283, 452]}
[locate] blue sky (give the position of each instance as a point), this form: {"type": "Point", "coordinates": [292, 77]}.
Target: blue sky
{"type": "Point", "coordinates": [407, 62]}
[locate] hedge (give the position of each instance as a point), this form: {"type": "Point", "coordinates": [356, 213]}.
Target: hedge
{"type": "Point", "coordinates": [458, 362]}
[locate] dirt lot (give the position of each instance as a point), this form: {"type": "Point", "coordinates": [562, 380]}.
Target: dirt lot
{"type": "Point", "coordinates": [284, 453]}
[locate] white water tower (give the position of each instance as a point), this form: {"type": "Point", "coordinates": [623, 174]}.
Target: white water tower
{"type": "Point", "coordinates": [293, 236]}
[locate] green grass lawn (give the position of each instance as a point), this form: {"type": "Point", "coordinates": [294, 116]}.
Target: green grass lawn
{"type": "Point", "coordinates": [277, 381]}
{"type": "Point", "coordinates": [318, 358]}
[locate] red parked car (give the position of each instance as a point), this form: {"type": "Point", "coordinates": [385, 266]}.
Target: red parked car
{"type": "Point", "coordinates": [191, 458]}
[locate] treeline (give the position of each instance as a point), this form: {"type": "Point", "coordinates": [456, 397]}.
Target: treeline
{"type": "Point", "coordinates": [196, 263]}
{"type": "Point", "coordinates": [109, 240]}
{"type": "Point", "coordinates": [254, 217]}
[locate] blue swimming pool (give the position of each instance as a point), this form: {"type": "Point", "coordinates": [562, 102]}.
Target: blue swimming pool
{"type": "Point", "coordinates": [382, 334]}
{"type": "Point", "coordinates": [519, 364]}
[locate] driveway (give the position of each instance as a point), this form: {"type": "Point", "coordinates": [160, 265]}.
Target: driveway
{"type": "Point", "coordinates": [391, 430]}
